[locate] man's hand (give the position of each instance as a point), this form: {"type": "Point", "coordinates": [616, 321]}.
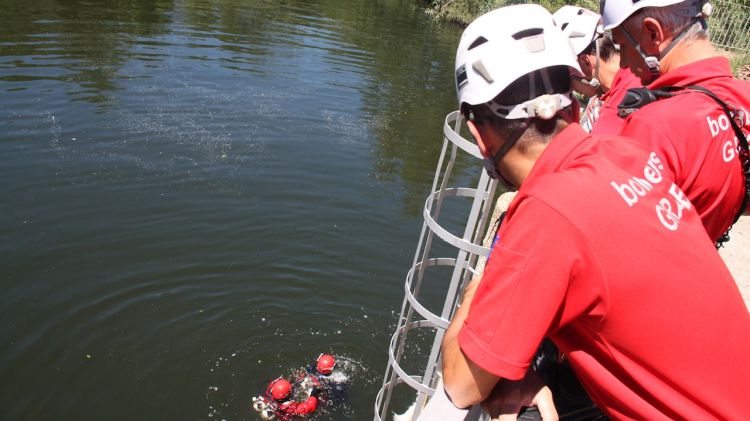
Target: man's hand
{"type": "Point", "coordinates": [509, 396]}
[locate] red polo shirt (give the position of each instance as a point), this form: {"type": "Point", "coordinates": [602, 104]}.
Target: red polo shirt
{"type": "Point", "coordinates": [693, 134]}
{"type": "Point", "coordinates": [601, 252]}
{"type": "Point", "coordinates": [609, 122]}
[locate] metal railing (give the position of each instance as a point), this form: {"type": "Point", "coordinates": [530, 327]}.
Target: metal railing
{"type": "Point", "coordinates": [729, 26]}
{"type": "Point", "coordinates": [426, 277]}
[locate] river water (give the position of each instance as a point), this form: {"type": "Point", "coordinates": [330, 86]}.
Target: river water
{"type": "Point", "coordinates": [201, 195]}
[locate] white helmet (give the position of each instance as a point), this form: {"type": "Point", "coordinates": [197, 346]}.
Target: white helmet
{"type": "Point", "coordinates": [505, 44]}
{"type": "Point", "coordinates": [582, 26]}
{"type": "Point", "coordinates": [614, 12]}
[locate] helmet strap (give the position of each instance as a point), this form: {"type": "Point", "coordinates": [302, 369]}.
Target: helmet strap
{"type": "Point", "coordinates": [491, 162]}
{"type": "Point", "coordinates": [594, 82]}
{"type": "Point", "coordinates": [652, 62]}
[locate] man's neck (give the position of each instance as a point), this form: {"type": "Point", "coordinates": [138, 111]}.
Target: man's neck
{"type": "Point", "coordinates": [516, 166]}
{"type": "Point", "coordinates": [686, 52]}
{"type": "Point", "coordinates": [518, 163]}
{"type": "Point", "coordinates": [608, 70]}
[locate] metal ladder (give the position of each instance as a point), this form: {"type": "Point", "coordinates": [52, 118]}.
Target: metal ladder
{"type": "Point", "coordinates": [415, 315]}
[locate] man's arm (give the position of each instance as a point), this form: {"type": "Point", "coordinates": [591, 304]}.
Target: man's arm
{"type": "Point", "coordinates": [465, 382]}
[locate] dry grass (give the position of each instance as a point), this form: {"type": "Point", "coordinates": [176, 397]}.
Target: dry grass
{"type": "Point", "coordinates": [740, 63]}
{"type": "Point", "coordinates": [743, 72]}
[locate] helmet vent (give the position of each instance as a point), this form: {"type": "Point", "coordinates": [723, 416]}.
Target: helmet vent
{"type": "Point", "coordinates": [533, 38]}
{"type": "Point", "coordinates": [477, 42]}
{"type": "Point", "coordinates": [564, 25]}
{"type": "Point", "coordinates": [478, 67]}
{"type": "Point", "coordinates": [576, 34]}
{"type": "Point", "coordinates": [527, 33]}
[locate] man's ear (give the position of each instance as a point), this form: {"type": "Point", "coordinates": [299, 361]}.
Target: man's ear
{"type": "Point", "coordinates": [585, 60]}
{"type": "Point", "coordinates": [652, 36]}
{"type": "Point", "coordinates": [479, 131]}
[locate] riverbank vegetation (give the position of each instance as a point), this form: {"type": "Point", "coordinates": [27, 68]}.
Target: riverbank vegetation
{"type": "Point", "coordinates": [464, 11]}
{"type": "Point", "coordinates": [732, 17]}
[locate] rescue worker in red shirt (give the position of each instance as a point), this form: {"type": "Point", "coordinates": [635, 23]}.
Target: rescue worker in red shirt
{"type": "Point", "coordinates": [603, 81]}
{"type": "Point", "coordinates": [666, 43]}
{"type": "Point", "coordinates": [600, 79]}
{"type": "Point", "coordinates": [630, 289]}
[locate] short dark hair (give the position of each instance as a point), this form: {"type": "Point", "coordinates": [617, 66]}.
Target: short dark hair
{"type": "Point", "coordinates": [607, 48]}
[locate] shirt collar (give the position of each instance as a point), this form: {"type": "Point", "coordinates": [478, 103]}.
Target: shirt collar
{"type": "Point", "coordinates": [694, 73]}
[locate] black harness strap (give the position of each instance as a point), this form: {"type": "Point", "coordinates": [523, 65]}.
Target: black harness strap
{"type": "Point", "coordinates": [636, 98]}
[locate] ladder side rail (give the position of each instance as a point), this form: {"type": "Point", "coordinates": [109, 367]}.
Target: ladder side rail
{"type": "Point", "coordinates": [456, 280]}
{"type": "Point", "coordinates": [388, 381]}
{"type": "Point", "coordinates": [425, 253]}
{"type": "Point", "coordinates": [450, 137]}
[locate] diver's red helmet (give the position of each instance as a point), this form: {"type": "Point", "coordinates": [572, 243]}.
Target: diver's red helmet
{"type": "Point", "coordinates": [325, 364]}
{"type": "Point", "coordinates": [280, 388]}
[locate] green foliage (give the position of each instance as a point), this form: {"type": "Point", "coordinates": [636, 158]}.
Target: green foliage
{"type": "Point", "coordinates": [464, 11]}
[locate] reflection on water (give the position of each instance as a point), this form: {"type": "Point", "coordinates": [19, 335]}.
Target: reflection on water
{"type": "Point", "coordinates": [201, 194]}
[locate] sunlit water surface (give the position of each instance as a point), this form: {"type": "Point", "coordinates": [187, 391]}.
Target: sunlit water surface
{"type": "Point", "coordinates": [199, 196]}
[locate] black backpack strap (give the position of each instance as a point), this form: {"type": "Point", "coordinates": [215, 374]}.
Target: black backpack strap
{"type": "Point", "coordinates": [636, 98]}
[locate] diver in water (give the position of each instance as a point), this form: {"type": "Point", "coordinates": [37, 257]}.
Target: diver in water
{"type": "Point", "coordinates": [318, 384]}
{"type": "Point", "coordinates": [278, 401]}
{"type": "Point", "coordinates": [332, 383]}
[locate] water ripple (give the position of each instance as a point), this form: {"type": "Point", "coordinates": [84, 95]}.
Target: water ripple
{"type": "Point", "coordinates": [202, 195]}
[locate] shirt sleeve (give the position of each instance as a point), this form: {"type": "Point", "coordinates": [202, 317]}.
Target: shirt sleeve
{"type": "Point", "coordinates": [524, 290]}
